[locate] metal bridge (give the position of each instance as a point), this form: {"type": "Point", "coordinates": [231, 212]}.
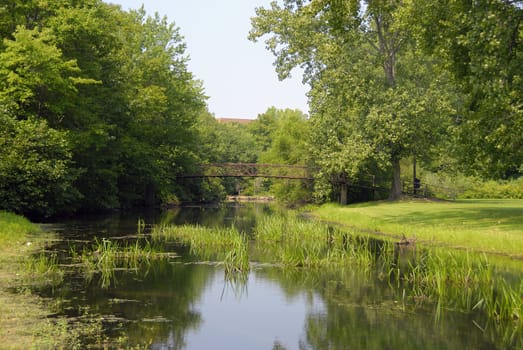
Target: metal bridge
{"type": "Point", "coordinates": [274, 171]}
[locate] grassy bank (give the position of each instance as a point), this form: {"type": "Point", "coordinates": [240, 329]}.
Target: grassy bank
{"type": "Point", "coordinates": [23, 315]}
{"type": "Point", "coordinates": [492, 226]}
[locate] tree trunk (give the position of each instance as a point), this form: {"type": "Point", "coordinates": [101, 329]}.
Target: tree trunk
{"type": "Point", "coordinates": [150, 195]}
{"type": "Point", "coordinates": [414, 175]}
{"type": "Point", "coordinates": [396, 190]}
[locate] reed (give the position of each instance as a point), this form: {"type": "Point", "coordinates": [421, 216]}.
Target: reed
{"type": "Point", "coordinates": [140, 226]}
{"type": "Point", "coordinates": [105, 256]}
{"type": "Point", "coordinates": [295, 242]}
{"type": "Point", "coordinates": [42, 269]}
{"type": "Point", "coordinates": [448, 279]}
{"type": "Point", "coordinates": [237, 259]}
{"type": "Point", "coordinates": [466, 282]}
{"type": "Point", "coordinates": [226, 244]}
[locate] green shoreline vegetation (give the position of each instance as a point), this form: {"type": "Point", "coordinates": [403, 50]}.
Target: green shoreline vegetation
{"type": "Point", "coordinates": [490, 226]}
{"type": "Point", "coordinates": [23, 315]}
{"type": "Point", "coordinates": [25, 266]}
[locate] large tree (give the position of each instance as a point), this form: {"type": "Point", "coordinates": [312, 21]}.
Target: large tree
{"type": "Point", "coordinates": [374, 98]}
{"type": "Point", "coordinates": [481, 44]}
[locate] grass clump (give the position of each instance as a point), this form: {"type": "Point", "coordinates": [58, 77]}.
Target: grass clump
{"type": "Point", "coordinates": [106, 256]}
{"type": "Point", "coordinates": [227, 244]}
{"type": "Point", "coordinates": [466, 282]}
{"type": "Point", "coordinates": [42, 270]}
{"type": "Point", "coordinates": [294, 241]}
{"type": "Point", "coordinates": [198, 237]}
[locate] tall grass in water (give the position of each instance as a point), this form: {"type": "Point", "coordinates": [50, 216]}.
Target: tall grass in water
{"type": "Point", "coordinates": [466, 282]}
{"type": "Point", "coordinates": [450, 279]}
{"type": "Point", "coordinates": [105, 256]}
{"type": "Point", "coordinates": [42, 269]}
{"type": "Point", "coordinates": [447, 278]}
{"type": "Point", "coordinates": [225, 244]}
{"type": "Point", "coordinates": [294, 241]}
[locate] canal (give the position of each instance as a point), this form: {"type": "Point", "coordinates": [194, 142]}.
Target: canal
{"type": "Point", "coordinates": [186, 302]}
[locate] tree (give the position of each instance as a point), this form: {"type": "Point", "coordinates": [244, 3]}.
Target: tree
{"type": "Point", "coordinates": [480, 42]}
{"type": "Point", "coordinates": [225, 143]}
{"type": "Point", "coordinates": [164, 102]}
{"type": "Point", "coordinates": [264, 126]}
{"type": "Point", "coordinates": [369, 105]}
{"type": "Point", "coordinates": [287, 138]}
{"type": "Point", "coordinates": [35, 78]}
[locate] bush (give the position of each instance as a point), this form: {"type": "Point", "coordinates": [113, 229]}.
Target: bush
{"type": "Point", "coordinates": [452, 186]}
{"type": "Point", "coordinates": [495, 189]}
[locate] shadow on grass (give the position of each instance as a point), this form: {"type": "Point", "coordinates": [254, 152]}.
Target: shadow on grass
{"type": "Point", "coordinates": [470, 215]}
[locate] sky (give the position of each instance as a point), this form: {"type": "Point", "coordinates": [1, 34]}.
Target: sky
{"type": "Point", "coordinates": [238, 75]}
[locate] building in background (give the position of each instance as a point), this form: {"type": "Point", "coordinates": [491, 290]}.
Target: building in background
{"type": "Point", "coordinates": [235, 120]}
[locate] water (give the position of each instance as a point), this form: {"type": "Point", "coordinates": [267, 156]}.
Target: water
{"type": "Point", "coordinates": [183, 303]}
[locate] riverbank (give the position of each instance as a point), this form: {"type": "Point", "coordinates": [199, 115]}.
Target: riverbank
{"type": "Point", "coordinates": [24, 322]}
{"type": "Point", "coordinates": [490, 226]}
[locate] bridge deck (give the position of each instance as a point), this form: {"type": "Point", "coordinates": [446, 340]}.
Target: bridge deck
{"type": "Point", "coordinates": [274, 171]}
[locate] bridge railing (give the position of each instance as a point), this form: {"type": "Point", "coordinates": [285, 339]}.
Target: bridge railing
{"type": "Point", "coordinates": [279, 171]}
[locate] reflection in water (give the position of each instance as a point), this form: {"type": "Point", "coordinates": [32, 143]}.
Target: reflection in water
{"type": "Point", "coordinates": [256, 319]}
{"type": "Point", "coordinates": [186, 304]}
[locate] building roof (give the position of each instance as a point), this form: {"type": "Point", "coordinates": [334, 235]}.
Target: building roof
{"type": "Point", "coordinates": [235, 120]}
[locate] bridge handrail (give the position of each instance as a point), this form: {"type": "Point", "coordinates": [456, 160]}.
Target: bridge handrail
{"type": "Point", "coordinates": [262, 165]}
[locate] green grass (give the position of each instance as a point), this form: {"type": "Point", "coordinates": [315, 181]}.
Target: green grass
{"type": "Point", "coordinates": [492, 226]}
{"type": "Point", "coordinates": [14, 230]}
{"type": "Point", "coordinates": [105, 256]}
{"type": "Point", "coordinates": [23, 315]}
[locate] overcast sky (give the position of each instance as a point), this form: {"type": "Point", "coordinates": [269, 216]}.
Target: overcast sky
{"type": "Point", "coordinates": [237, 74]}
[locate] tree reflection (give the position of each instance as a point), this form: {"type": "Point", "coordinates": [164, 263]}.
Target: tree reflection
{"type": "Point", "coordinates": [364, 313]}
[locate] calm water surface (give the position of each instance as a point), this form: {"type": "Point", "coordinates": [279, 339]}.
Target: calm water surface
{"type": "Point", "coordinates": [184, 303]}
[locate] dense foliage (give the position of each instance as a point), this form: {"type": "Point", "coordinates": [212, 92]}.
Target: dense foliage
{"type": "Point", "coordinates": [282, 137]}
{"type": "Point", "coordinates": [439, 81]}
{"type": "Point", "coordinates": [98, 108]}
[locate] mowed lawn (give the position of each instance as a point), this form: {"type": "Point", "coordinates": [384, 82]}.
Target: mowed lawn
{"type": "Point", "coordinates": [494, 226]}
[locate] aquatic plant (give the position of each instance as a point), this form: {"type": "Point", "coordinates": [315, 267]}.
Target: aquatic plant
{"type": "Point", "coordinates": [295, 241]}
{"type": "Point", "coordinates": [226, 244]}
{"type": "Point", "coordinates": [105, 256]}
{"type": "Point", "coordinates": [466, 282]}
{"type": "Point", "coordinates": [447, 279]}
{"type": "Point", "coordinates": [237, 258]}
{"type": "Point", "coordinates": [140, 226]}
{"type": "Point", "coordinates": [42, 269]}
{"type": "Point", "coordinates": [196, 235]}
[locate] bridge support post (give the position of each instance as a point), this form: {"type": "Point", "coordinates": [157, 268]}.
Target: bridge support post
{"type": "Point", "coordinates": [344, 194]}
